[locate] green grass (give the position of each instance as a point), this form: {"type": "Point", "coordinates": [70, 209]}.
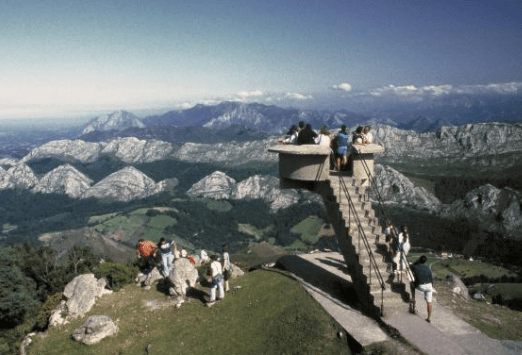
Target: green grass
{"type": "Point", "coordinates": [252, 231]}
{"type": "Point", "coordinates": [309, 229]}
{"type": "Point", "coordinates": [161, 221]}
{"type": "Point", "coordinates": [270, 314]}
{"type": "Point", "coordinates": [113, 223]}
{"type": "Point", "coordinates": [496, 321]}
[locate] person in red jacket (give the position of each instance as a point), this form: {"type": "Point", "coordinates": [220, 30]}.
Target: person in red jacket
{"type": "Point", "coordinates": [146, 252]}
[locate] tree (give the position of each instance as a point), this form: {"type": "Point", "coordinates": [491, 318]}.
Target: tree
{"type": "Point", "coordinates": [17, 296]}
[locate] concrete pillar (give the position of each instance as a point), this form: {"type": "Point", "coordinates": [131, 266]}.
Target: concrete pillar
{"type": "Point", "coordinates": [363, 161]}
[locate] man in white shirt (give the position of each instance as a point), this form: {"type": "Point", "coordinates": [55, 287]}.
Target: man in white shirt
{"type": "Point", "coordinates": [216, 272]}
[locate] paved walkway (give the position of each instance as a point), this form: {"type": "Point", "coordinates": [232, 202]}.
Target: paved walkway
{"type": "Point", "coordinates": [446, 334]}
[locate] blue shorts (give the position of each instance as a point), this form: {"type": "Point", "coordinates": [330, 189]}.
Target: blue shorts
{"type": "Point", "coordinates": [342, 151]}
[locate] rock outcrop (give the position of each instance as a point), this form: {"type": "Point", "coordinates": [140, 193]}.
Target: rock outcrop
{"type": "Point", "coordinates": [149, 278]}
{"type": "Point", "coordinates": [94, 329]}
{"type": "Point", "coordinates": [81, 294]}
{"type": "Point", "coordinates": [182, 276]}
{"type": "Point", "coordinates": [265, 188]}
{"type": "Point", "coordinates": [21, 177]}
{"type": "Point", "coordinates": [491, 209]}
{"type": "Point", "coordinates": [125, 185]}
{"type": "Point", "coordinates": [64, 179]}
{"type": "Point", "coordinates": [230, 153]}
{"type": "Point", "coordinates": [218, 185]}
{"type": "Point", "coordinates": [451, 141]}
{"type": "Point", "coordinates": [132, 150]}
{"type": "Point", "coordinates": [67, 150]}
{"type": "Point", "coordinates": [396, 188]}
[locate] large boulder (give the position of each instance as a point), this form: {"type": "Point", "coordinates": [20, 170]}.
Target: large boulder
{"type": "Point", "coordinates": [236, 271]}
{"type": "Point", "coordinates": [182, 276]}
{"type": "Point", "coordinates": [94, 329]}
{"type": "Point", "coordinates": [81, 294]}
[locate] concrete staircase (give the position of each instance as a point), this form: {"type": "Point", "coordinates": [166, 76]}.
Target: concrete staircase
{"type": "Point", "coordinates": [374, 300]}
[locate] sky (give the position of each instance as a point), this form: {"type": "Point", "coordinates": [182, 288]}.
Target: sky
{"type": "Point", "coordinates": [73, 57]}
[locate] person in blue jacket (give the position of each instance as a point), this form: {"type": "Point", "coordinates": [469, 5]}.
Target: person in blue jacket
{"type": "Point", "coordinates": [342, 142]}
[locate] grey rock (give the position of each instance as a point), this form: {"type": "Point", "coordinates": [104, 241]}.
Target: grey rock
{"type": "Point", "coordinates": [182, 276]}
{"type": "Point", "coordinates": [22, 177]}
{"type": "Point", "coordinates": [152, 277]}
{"type": "Point", "coordinates": [217, 185]}
{"type": "Point", "coordinates": [94, 329]}
{"type": "Point", "coordinates": [220, 186]}
{"type": "Point", "coordinates": [132, 150]}
{"type": "Point", "coordinates": [231, 153]}
{"type": "Point", "coordinates": [58, 315]}
{"type": "Point", "coordinates": [124, 185]}
{"type": "Point", "coordinates": [69, 150]}
{"type": "Point", "coordinates": [6, 180]}
{"type": "Point", "coordinates": [81, 294]}
{"type": "Point", "coordinates": [452, 142]}
{"type": "Point", "coordinates": [396, 188]}
{"type": "Point", "coordinates": [479, 297]}
{"type": "Point", "coordinates": [266, 188]}
{"type": "Point", "coordinates": [490, 208]}
{"type": "Point", "coordinates": [458, 286]}
{"type": "Point", "coordinates": [64, 179]}
{"type": "Point", "coordinates": [236, 271]}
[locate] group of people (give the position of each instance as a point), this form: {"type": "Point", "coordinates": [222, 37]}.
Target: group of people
{"type": "Point", "coordinates": [304, 134]}
{"type": "Point", "coordinates": [398, 247]}
{"type": "Point", "coordinates": [220, 267]}
{"type": "Point", "coordinates": [340, 143]}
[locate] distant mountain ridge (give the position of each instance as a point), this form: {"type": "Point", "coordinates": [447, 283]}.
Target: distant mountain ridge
{"type": "Point", "coordinates": [227, 120]}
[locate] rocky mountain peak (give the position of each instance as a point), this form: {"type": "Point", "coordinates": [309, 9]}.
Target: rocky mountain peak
{"type": "Point", "coordinates": [217, 185]}
{"type": "Point", "coordinates": [220, 186]}
{"type": "Point", "coordinates": [118, 121]}
{"type": "Point", "coordinates": [124, 185]}
{"type": "Point", "coordinates": [64, 179]}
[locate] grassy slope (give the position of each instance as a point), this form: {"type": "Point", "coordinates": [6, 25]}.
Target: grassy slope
{"type": "Point", "coordinates": [496, 321]}
{"type": "Point", "coordinates": [270, 314]}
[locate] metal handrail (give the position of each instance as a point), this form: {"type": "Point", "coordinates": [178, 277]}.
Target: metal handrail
{"type": "Point", "coordinates": [363, 238]}
{"type": "Point", "coordinates": [381, 206]}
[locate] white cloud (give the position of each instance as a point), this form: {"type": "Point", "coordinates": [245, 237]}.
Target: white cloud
{"type": "Point", "coordinates": [297, 96]}
{"type": "Point", "coordinates": [438, 90]}
{"type": "Point", "coordinates": [243, 95]}
{"type": "Point", "coordinates": [343, 87]}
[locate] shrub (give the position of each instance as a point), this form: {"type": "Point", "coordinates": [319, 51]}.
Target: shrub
{"type": "Point", "coordinates": [47, 309]}
{"type": "Point", "coordinates": [117, 275]}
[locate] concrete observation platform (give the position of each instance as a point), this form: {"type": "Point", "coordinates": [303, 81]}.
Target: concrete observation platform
{"type": "Point", "coordinates": [311, 163]}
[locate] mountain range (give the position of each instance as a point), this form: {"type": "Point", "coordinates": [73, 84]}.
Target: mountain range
{"type": "Point", "coordinates": [230, 120]}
